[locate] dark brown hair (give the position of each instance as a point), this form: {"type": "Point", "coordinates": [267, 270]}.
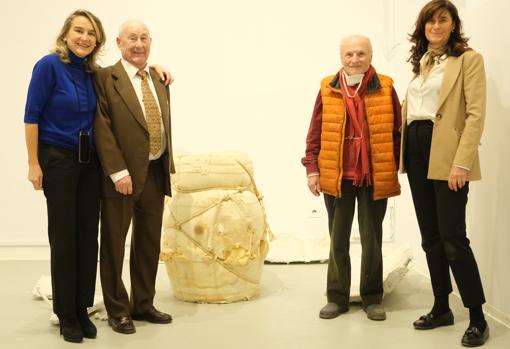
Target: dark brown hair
{"type": "Point", "coordinates": [61, 47]}
{"type": "Point", "coordinates": [457, 43]}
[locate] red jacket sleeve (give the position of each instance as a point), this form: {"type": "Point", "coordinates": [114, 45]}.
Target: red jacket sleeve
{"type": "Point", "coordinates": [313, 139]}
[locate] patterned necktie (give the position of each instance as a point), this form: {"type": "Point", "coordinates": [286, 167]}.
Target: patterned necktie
{"type": "Point", "coordinates": [152, 115]}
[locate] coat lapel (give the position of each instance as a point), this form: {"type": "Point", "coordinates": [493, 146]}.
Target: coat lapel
{"type": "Point", "coordinates": [451, 73]}
{"type": "Point", "coordinates": [126, 91]}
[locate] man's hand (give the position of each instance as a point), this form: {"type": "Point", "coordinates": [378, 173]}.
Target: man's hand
{"type": "Point", "coordinates": [314, 185]}
{"type": "Point", "coordinates": [124, 185]}
{"type": "Point", "coordinates": [457, 178]}
{"type": "Point", "coordinates": [35, 176]}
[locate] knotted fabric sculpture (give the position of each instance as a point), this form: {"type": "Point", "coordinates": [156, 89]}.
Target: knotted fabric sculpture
{"type": "Point", "coordinates": [215, 229]}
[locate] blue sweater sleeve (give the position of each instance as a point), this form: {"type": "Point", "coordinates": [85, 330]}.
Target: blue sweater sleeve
{"type": "Point", "coordinates": [40, 89]}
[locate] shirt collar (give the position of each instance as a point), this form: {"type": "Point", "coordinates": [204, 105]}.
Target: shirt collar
{"type": "Point", "coordinates": [373, 84]}
{"type": "Point", "coordinates": [131, 70]}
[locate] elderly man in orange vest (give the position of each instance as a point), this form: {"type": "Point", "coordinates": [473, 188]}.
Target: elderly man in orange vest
{"type": "Point", "coordinates": [352, 153]}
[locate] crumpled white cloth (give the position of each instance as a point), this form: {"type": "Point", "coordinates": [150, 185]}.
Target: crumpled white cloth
{"type": "Point", "coordinates": [42, 291]}
{"type": "Point", "coordinates": [396, 259]}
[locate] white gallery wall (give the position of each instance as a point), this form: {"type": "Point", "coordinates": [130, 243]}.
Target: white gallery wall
{"type": "Point", "coordinates": [247, 74]}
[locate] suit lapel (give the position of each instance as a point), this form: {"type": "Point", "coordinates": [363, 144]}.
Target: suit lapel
{"type": "Point", "coordinates": [126, 91]}
{"type": "Point", "coordinates": [162, 99]}
{"type": "Point", "coordinates": [451, 73]}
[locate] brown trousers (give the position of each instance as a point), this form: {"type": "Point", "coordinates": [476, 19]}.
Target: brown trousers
{"type": "Point", "coordinates": [146, 211]}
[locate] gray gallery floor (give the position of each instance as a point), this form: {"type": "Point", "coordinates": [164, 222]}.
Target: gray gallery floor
{"type": "Point", "coordinates": [285, 316]}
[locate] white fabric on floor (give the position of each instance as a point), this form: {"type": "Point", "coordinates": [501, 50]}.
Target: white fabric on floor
{"type": "Point", "coordinates": [42, 291]}
{"type": "Point", "coordinates": [396, 258]}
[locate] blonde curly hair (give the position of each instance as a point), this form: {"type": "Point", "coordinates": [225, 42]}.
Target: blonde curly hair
{"type": "Point", "coordinates": [62, 49]}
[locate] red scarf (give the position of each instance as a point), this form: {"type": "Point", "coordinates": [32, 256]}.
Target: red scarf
{"type": "Point", "coordinates": [356, 162]}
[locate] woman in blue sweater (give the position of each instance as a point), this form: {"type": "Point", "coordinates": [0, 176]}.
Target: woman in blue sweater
{"type": "Point", "coordinates": [59, 115]}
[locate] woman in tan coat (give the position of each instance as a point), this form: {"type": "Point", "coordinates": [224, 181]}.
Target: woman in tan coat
{"type": "Point", "coordinates": [443, 117]}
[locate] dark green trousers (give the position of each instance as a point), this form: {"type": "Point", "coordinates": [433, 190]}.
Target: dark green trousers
{"type": "Point", "coordinates": [370, 217]}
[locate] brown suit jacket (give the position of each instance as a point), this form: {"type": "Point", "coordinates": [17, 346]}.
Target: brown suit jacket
{"type": "Point", "coordinates": [120, 130]}
{"type": "Point", "coordinates": [459, 120]}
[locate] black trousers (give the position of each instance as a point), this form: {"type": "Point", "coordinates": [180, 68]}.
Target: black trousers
{"type": "Point", "coordinates": [72, 197]}
{"type": "Point", "coordinates": [370, 217]}
{"type": "Point", "coordinates": [441, 215]}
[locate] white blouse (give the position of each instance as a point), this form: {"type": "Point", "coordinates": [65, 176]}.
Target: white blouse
{"type": "Point", "coordinates": [423, 93]}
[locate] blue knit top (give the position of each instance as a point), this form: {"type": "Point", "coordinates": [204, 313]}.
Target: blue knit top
{"type": "Point", "coordinates": [61, 100]}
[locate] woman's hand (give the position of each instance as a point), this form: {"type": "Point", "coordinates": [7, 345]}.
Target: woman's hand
{"type": "Point", "coordinates": [164, 74]}
{"type": "Point", "coordinates": [35, 176]}
{"type": "Point", "coordinates": [314, 185]}
{"type": "Point", "coordinates": [457, 178]}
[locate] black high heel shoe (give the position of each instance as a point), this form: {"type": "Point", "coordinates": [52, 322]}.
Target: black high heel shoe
{"type": "Point", "coordinates": [87, 326]}
{"type": "Point", "coordinates": [70, 328]}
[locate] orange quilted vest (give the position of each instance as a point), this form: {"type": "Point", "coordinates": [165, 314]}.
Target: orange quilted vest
{"type": "Point", "coordinates": [379, 112]}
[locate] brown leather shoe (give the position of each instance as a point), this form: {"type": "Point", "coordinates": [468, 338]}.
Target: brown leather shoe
{"type": "Point", "coordinates": [153, 315]}
{"type": "Point", "coordinates": [122, 324]}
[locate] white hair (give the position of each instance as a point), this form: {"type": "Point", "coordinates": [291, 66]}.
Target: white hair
{"type": "Point", "coordinates": [132, 22]}
{"type": "Point", "coordinates": [356, 37]}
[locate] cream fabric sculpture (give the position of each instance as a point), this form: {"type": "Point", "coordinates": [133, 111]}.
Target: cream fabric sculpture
{"type": "Point", "coordinates": [215, 229]}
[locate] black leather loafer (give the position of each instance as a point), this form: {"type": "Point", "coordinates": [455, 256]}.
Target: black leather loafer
{"type": "Point", "coordinates": [430, 321]}
{"type": "Point", "coordinates": [474, 338]}
{"type": "Point", "coordinates": [153, 315]}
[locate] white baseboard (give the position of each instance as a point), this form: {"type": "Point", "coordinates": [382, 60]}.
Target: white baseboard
{"type": "Point", "coordinates": [24, 251]}
{"type": "Point", "coordinates": [31, 251]}
{"type": "Point", "coordinates": [497, 315]}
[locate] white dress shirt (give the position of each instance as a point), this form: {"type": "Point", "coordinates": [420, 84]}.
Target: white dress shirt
{"type": "Point", "coordinates": [423, 93]}
{"type": "Point", "coordinates": [136, 80]}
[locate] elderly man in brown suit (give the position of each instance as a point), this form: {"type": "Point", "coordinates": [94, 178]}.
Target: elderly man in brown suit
{"type": "Point", "coordinates": [133, 138]}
